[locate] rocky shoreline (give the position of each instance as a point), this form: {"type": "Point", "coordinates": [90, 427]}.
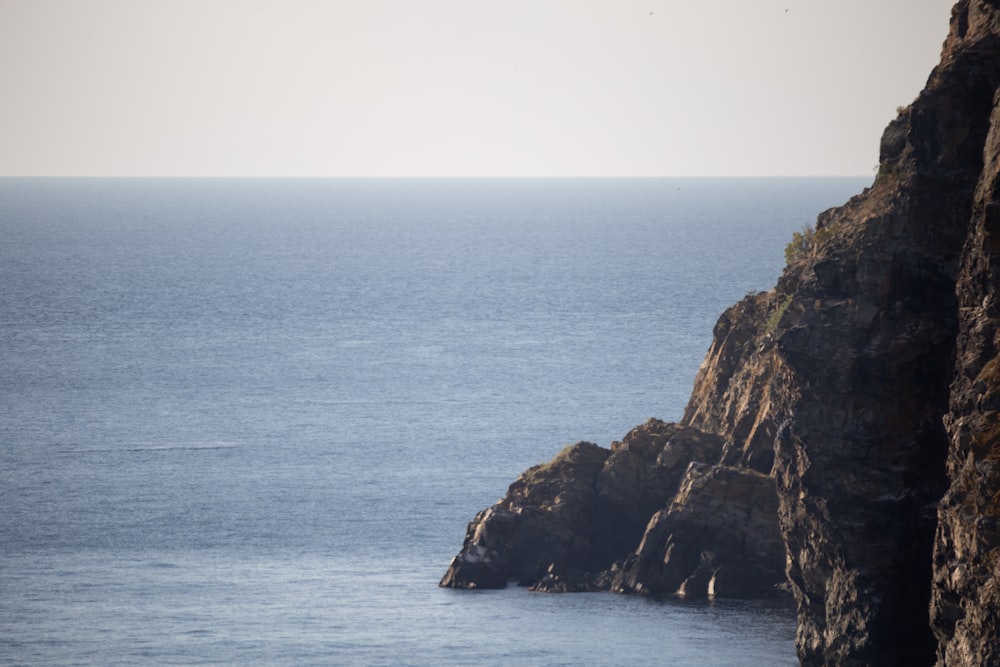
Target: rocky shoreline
{"type": "Point", "coordinates": [841, 441]}
{"type": "Point", "coordinates": [627, 519]}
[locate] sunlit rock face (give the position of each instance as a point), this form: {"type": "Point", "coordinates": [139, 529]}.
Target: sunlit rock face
{"type": "Point", "coordinates": [871, 382]}
{"type": "Point", "coordinates": [842, 440]}
{"type": "Point", "coordinates": [965, 606]}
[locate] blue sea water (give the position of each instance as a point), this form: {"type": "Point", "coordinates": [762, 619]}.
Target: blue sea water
{"type": "Point", "coordinates": [246, 421]}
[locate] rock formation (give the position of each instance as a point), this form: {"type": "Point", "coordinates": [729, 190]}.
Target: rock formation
{"type": "Point", "coordinates": [965, 608]}
{"type": "Point", "coordinates": [544, 521]}
{"type": "Point", "coordinates": [718, 537]}
{"type": "Point", "coordinates": [563, 525]}
{"type": "Point", "coordinates": [842, 437]}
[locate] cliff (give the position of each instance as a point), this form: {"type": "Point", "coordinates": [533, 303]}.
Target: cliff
{"type": "Point", "coordinates": [841, 440]}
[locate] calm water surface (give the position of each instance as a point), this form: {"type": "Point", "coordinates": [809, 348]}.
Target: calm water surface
{"type": "Point", "coordinates": [246, 422]}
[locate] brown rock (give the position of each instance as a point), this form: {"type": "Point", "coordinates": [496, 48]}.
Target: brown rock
{"type": "Point", "coordinates": [640, 477]}
{"type": "Point", "coordinates": [561, 524]}
{"type": "Point", "coordinates": [965, 607]}
{"type": "Point", "coordinates": [845, 370]}
{"type": "Point", "coordinates": [718, 538]}
{"type": "Point", "coordinates": [856, 406]}
{"type": "Point", "coordinates": [544, 520]}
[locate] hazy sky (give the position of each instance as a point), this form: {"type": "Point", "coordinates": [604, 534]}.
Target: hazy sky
{"type": "Point", "coordinates": [457, 87]}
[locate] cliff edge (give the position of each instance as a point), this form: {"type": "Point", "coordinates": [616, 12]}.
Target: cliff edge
{"type": "Point", "coordinates": [842, 439]}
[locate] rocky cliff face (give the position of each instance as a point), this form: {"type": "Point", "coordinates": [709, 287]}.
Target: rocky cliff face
{"type": "Point", "coordinates": [842, 437]}
{"type": "Point", "coordinates": [965, 607]}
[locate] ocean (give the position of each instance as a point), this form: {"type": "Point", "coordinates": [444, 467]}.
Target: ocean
{"type": "Point", "coordinates": [245, 422]}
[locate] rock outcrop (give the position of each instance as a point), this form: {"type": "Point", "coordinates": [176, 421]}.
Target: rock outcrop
{"type": "Point", "coordinates": [574, 523]}
{"type": "Point", "coordinates": [544, 521]}
{"type": "Point", "coordinates": [718, 537]}
{"type": "Point", "coordinates": [843, 434]}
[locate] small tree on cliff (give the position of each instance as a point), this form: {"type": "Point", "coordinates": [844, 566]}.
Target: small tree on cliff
{"type": "Point", "coordinates": [805, 242]}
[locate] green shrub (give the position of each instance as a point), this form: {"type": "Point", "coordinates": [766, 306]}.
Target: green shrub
{"type": "Point", "coordinates": [772, 321]}
{"type": "Point", "coordinates": [799, 245]}
{"type": "Point", "coordinates": [803, 243]}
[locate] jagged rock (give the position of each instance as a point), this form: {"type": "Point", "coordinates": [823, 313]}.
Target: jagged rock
{"type": "Point", "coordinates": [640, 477]}
{"type": "Point", "coordinates": [544, 520]}
{"type": "Point", "coordinates": [857, 404]}
{"type": "Point", "coordinates": [845, 370]}
{"type": "Point", "coordinates": [965, 608]}
{"type": "Point", "coordinates": [734, 389]}
{"type": "Point", "coordinates": [718, 538]}
{"type": "Point", "coordinates": [568, 580]}
{"type": "Point", "coordinates": [561, 524]}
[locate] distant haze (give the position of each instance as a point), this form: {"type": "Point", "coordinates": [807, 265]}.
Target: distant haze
{"type": "Point", "coordinates": [457, 87]}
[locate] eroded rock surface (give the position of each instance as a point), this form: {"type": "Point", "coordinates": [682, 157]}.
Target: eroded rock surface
{"type": "Point", "coordinates": [843, 433]}
{"type": "Point", "coordinates": [718, 537]}
{"type": "Point", "coordinates": [965, 606]}
{"type": "Point", "coordinates": [563, 524]}
{"type": "Point", "coordinates": [544, 520]}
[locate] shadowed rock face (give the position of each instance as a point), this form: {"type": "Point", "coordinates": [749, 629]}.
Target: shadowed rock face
{"type": "Point", "coordinates": [843, 433]}
{"type": "Point", "coordinates": [567, 525]}
{"type": "Point", "coordinates": [965, 608]}
{"type": "Point", "coordinates": [719, 537]}
{"type": "Point", "coordinates": [544, 521]}
{"type": "Point", "coordinates": [849, 385]}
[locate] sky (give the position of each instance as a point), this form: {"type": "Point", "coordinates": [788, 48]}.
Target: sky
{"type": "Point", "coordinates": [526, 88]}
